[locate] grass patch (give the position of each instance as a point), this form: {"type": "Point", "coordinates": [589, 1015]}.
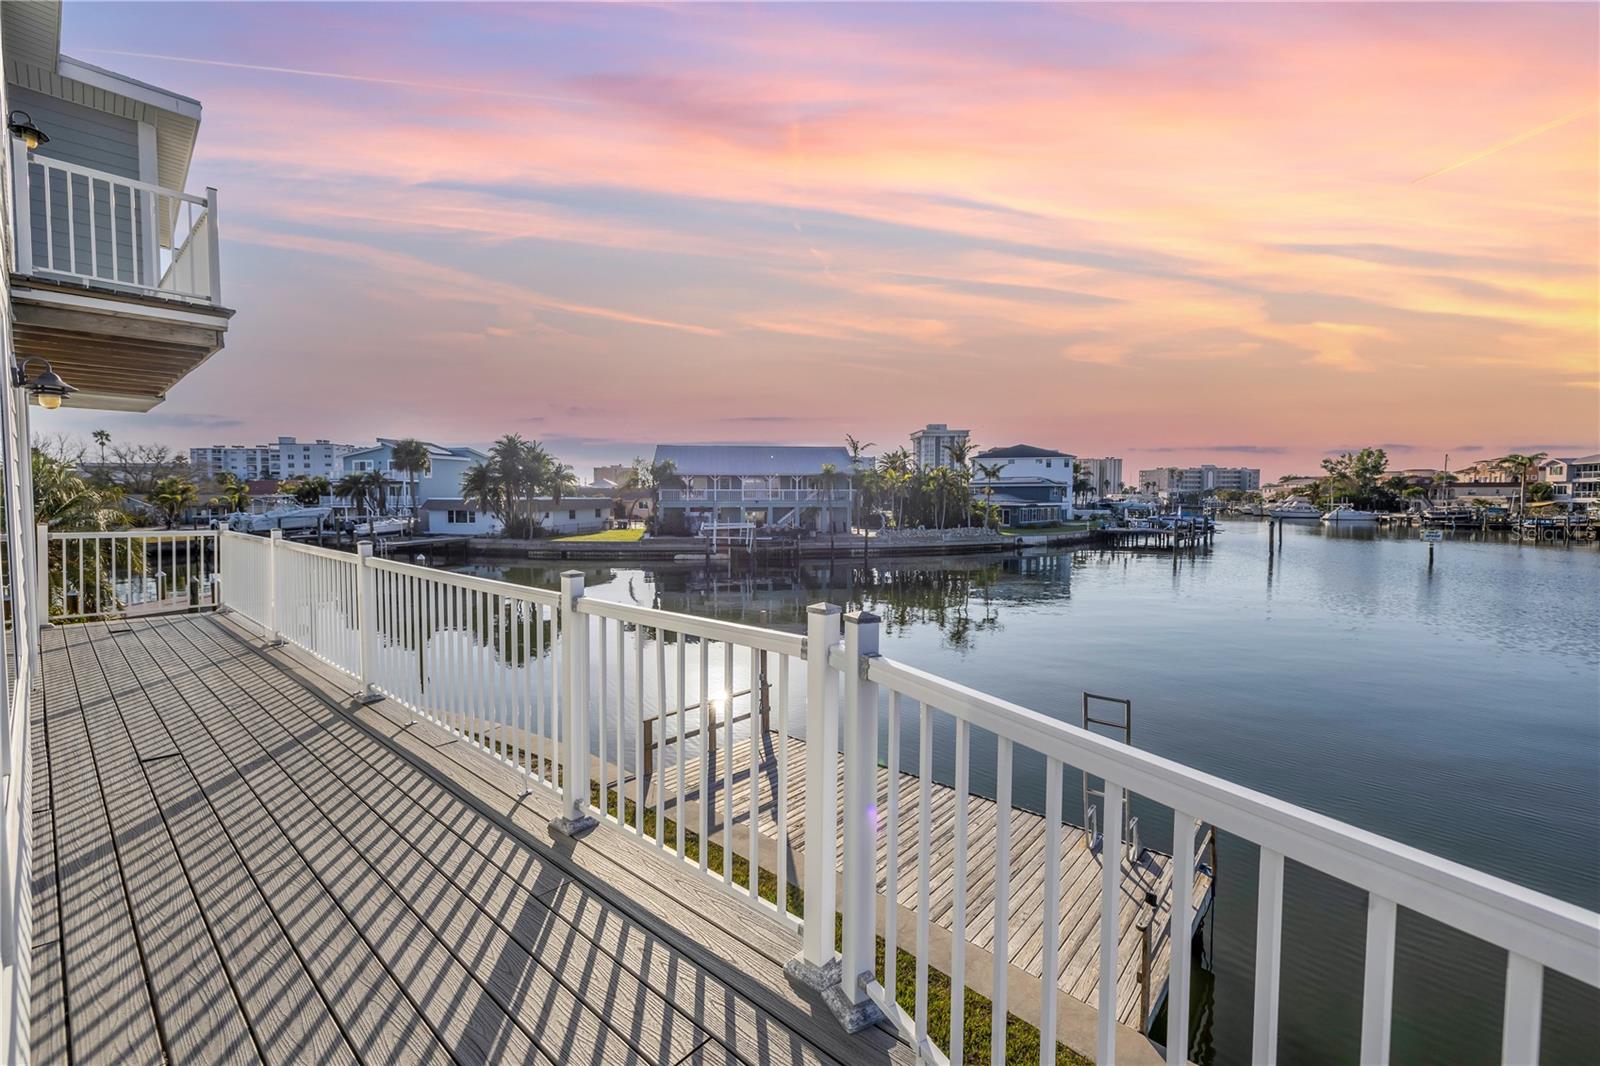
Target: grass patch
{"type": "Point", "coordinates": [608, 536]}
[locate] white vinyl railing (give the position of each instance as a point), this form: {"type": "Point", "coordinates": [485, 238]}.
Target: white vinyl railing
{"type": "Point", "coordinates": [85, 224]}
{"type": "Point", "coordinates": [757, 494]}
{"type": "Point", "coordinates": [104, 575]}
{"type": "Point", "coordinates": [568, 688]}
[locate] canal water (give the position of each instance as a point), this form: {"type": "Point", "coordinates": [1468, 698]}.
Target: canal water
{"type": "Point", "coordinates": [1454, 707]}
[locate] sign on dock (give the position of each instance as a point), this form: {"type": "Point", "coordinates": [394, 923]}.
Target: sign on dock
{"type": "Point", "coordinates": [1433, 536]}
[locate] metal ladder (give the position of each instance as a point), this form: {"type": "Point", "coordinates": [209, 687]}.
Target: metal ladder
{"type": "Point", "coordinates": [1091, 811]}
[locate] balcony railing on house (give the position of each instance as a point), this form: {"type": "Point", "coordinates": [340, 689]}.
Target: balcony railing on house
{"type": "Point", "coordinates": [75, 223]}
{"type": "Point", "coordinates": [559, 685]}
{"type": "Point", "coordinates": [754, 494]}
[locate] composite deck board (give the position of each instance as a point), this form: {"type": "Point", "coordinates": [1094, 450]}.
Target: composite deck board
{"type": "Point", "coordinates": [514, 933]}
{"type": "Point", "coordinates": [488, 865]}
{"type": "Point", "coordinates": [47, 1033]}
{"type": "Point", "coordinates": [1079, 936]}
{"type": "Point", "coordinates": [108, 1012]}
{"type": "Point", "coordinates": [373, 1010]}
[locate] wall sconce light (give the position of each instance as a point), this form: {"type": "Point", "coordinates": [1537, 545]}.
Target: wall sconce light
{"type": "Point", "coordinates": [48, 386]}
{"type": "Point", "coordinates": [21, 124]}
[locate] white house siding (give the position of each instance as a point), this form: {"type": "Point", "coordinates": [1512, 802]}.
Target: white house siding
{"type": "Point", "coordinates": [442, 516]}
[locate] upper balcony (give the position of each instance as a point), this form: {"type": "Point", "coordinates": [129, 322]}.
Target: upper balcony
{"type": "Point", "coordinates": [116, 277]}
{"type": "Point", "coordinates": [90, 227]}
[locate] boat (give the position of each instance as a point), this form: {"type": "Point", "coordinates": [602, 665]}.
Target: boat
{"type": "Point", "coordinates": [284, 518]}
{"type": "Point", "coordinates": [1346, 514]}
{"type": "Point", "coordinates": [1295, 508]}
{"type": "Point", "coordinates": [1450, 516]}
{"type": "Point", "coordinates": [382, 526]}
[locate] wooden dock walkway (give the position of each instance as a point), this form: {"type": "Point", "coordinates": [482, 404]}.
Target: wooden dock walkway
{"type": "Point", "coordinates": [234, 863]}
{"type": "Point", "coordinates": [1149, 872]}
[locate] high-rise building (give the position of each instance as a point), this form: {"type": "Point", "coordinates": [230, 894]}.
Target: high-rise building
{"type": "Point", "coordinates": [1104, 475]}
{"type": "Point", "coordinates": [287, 459]}
{"type": "Point", "coordinates": [1198, 480]}
{"type": "Point", "coordinates": [616, 473]}
{"type": "Point", "coordinates": [930, 446]}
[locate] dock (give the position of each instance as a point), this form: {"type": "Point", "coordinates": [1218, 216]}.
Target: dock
{"type": "Point", "coordinates": [1145, 939]}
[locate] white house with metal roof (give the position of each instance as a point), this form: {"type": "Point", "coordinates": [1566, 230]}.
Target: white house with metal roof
{"type": "Point", "coordinates": [1034, 487]}
{"type": "Point", "coordinates": [777, 487]}
{"type": "Point", "coordinates": [447, 466]}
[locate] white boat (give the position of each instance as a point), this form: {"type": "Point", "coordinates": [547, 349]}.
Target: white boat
{"type": "Point", "coordinates": [382, 526]}
{"type": "Point", "coordinates": [1296, 507]}
{"type": "Point", "coordinates": [284, 518]}
{"type": "Point", "coordinates": [1346, 514]}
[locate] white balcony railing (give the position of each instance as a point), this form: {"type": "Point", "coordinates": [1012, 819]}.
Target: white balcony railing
{"type": "Point", "coordinates": [755, 494]}
{"type": "Point", "coordinates": [77, 223]}
{"type": "Point", "coordinates": [558, 684]}
{"type": "Point", "coordinates": [108, 575]}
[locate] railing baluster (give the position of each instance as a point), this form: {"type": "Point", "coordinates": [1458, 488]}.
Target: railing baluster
{"type": "Point", "coordinates": [1269, 957]}
{"type": "Point", "coordinates": [757, 737]}
{"type": "Point", "coordinates": [658, 762]}
{"type": "Point", "coordinates": [622, 700]}
{"type": "Point", "coordinates": [679, 758]}
{"type": "Point", "coordinates": [727, 765]}
{"type": "Point", "coordinates": [1519, 1035]}
{"type": "Point", "coordinates": [1110, 909]}
{"type": "Point", "coordinates": [638, 729]}
{"type": "Point", "coordinates": [1050, 963]}
{"type": "Point", "coordinates": [602, 706]}
{"type": "Point", "coordinates": [780, 747]}
{"type": "Point", "coordinates": [707, 733]}
{"type": "Point", "coordinates": [1181, 922]}
{"type": "Point", "coordinates": [958, 903]}
{"type": "Point", "coordinates": [924, 850]}
{"type": "Point", "coordinates": [891, 847]}
{"type": "Point", "coordinates": [1377, 998]}
{"type": "Point", "coordinates": [1001, 952]}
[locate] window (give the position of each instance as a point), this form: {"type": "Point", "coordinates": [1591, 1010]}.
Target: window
{"type": "Point", "coordinates": [597, 513]}
{"type": "Point", "coordinates": [461, 518]}
{"type": "Point", "coordinates": [572, 515]}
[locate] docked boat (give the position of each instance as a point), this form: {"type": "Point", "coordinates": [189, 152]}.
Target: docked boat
{"type": "Point", "coordinates": [287, 519]}
{"type": "Point", "coordinates": [1296, 507]}
{"type": "Point", "coordinates": [382, 526]}
{"type": "Point", "coordinates": [1348, 515]}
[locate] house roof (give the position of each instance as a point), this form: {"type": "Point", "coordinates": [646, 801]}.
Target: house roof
{"type": "Point", "coordinates": [1024, 451]}
{"type": "Point", "coordinates": [435, 451]}
{"type": "Point", "coordinates": [723, 460]}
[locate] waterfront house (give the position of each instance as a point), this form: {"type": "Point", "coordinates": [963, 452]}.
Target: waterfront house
{"type": "Point", "coordinates": [1576, 479]}
{"type": "Point", "coordinates": [779, 487]}
{"type": "Point", "coordinates": [1034, 487]}
{"type": "Point", "coordinates": [447, 466]}
{"type": "Point", "coordinates": [569, 515]}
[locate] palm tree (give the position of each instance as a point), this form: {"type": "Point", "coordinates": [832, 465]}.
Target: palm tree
{"type": "Point", "coordinates": [481, 488]}
{"type": "Point", "coordinates": [233, 492]}
{"type": "Point", "coordinates": [828, 477]}
{"type": "Point", "coordinates": [990, 472]}
{"type": "Point", "coordinates": [102, 438]}
{"type": "Point", "coordinates": [896, 465]}
{"type": "Point", "coordinates": [1521, 466]}
{"type": "Point", "coordinates": [172, 496]}
{"type": "Point", "coordinates": [410, 457]}
{"type": "Point", "coordinates": [961, 453]}
{"type": "Point", "coordinates": [65, 501]}
{"type": "Point", "coordinates": [559, 480]}
{"type": "Point", "coordinates": [353, 487]}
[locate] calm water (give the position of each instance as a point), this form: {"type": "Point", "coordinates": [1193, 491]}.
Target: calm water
{"type": "Point", "coordinates": [1456, 709]}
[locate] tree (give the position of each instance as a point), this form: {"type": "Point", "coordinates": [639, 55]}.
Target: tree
{"type": "Point", "coordinates": [66, 502]}
{"type": "Point", "coordinates": [896, 466]}
{"type": "Point", "coordinates": [1355, 476]}
{"type": "Point", "coordinates": [1520, 466]}
{"type": "Point", "coordinates": [136, 468]}
{"type": "Point", "coordinates": [827, 478]}
{"type": "Point", "coordinates": [172, 496]}
{"type": "Point", "coordinates": [232, 492]}
{"type": "Point", "coordinates": [308, 492]}
{"type": "Point", "coordinates": [410, 457]}
{"type": "Point", "coordinates": [961, 452]}
{"type": "Point", "coordinates": [990, 472]}
{"type": "Point", "coordinates": [355, 488]}
{"type": "Point", "coordinates": [102, 438]}
{"type": "Point", "coordinates": [1541, 491]}
{"type": "Point", "coordinates": [559, 480]}
{"type": "Point", "coordinates": [652, 478]}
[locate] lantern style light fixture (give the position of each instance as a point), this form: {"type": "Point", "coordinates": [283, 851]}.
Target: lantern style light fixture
{"type": "Point", "coordinates": [47, 387]}
{"type": "Point", "coordinates": [21, 124]}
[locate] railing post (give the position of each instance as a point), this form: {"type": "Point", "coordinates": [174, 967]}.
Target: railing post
{"type": "Point", "coordinates": [817, 965]}
{"type": "Point", "coordinates": [574, 650]}
{"type": "Point", "coordinates": [848, 999]}
{"type": "Point", "coordinates": [366, 618]}
{"type": "Point", "coordinates": [21, 180]}
{"type": "Point", "coordinates": [274, 538]}
{"type": "Point", "coordinates": [39, 597]}
{"type": "Point", "coordinates": [213, 253]}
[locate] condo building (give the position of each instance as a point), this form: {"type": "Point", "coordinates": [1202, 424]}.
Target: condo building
{"type": "Point", "coordinates": [287, 459]}
{"type": "Point", "coordinates": [930, 445]}
{"type": "Point", "coordinates": [1198, 480]}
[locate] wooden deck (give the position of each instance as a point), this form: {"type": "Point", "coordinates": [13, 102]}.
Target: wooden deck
{"type": "Point", "coordinates": [1079, 948]}
{"type": "Point", "coordinates": [234, 863]}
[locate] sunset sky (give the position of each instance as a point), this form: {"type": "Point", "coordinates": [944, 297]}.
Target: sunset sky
{"type": "Point", "coordinates": [1239, 234]}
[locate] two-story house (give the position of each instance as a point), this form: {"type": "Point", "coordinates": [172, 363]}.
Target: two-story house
{"type": "Point", "coordinates": [782, 487]}
{"type": "Point", "coordinates": [1034, 486]}
{"type": "Point", "coordinates": [446, 467]}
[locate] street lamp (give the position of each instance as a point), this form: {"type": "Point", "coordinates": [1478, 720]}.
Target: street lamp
{"type": "Point", "coordinates": [48, 386]}
{"type": "Point", "coordinates": [21, 124]}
